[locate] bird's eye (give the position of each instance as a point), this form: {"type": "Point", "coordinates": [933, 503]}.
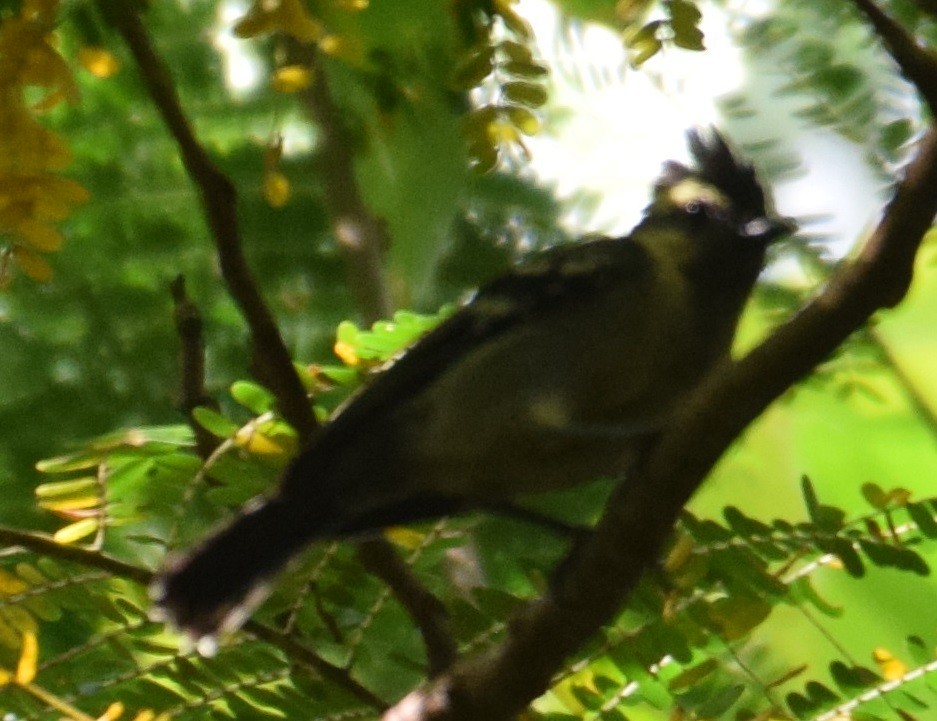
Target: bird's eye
{"type": "Point", "coordinates": [693, 207]}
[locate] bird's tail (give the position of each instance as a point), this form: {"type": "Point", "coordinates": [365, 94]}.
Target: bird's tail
{"type": "Point", "coordinates": [215, 588]}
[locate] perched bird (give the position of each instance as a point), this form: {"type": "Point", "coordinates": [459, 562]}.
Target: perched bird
{"type": "Point", "coordinates": [552, 375]}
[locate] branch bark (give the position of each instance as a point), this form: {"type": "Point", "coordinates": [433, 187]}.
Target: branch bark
{"type": "Point", "coordinates": [192, 365]}
{"type": "Point", "coordinates": [361, 235]}
{"type": "Point", "coordinates": [917, 63]}
{"type": "Point", "coordinates": [271, 362]}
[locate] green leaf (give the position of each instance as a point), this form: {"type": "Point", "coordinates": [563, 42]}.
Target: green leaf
{"type": "Point", "coordinates": [803, 591]}
{"type": "Point", "coordinates": [874, 495]}
{"type": "Point", "coordinates": [853, 679]}
{"type": "Point", "coordinates": [252, 396]}
{"type": "Point", "coordinates": [844, 550]}
{"type": "Point", "coordinates": [738, 616]}
{"type": "Point", "coordinates": [827, 518]}
{"type": "Point", "coordinates": [474, 69]}
{"type": "Point", "coordinates": [516, 51]}
{"type": "Point", "coordinates": [921, 653]}
{"type": "Point", "coordinates": [694, 675]}
{"type": "Point", "coordinates": [525, 93]}
{"type": "Point", "coordinates": [800, 705]}
{"type": "Point", "coordinates": [213, 422]}
{"type": "Point", "coordinates": [923, 517]}
{"type": "Point", "coordinates": [894, 135]}
{"type": "Point", "coordinates": [742, 524]}
{"type": "Point", "coordinates": [523, 69]}
{"type": "Point", "coordinates": [821, 695]}
{"type": "Point", "coordinates": [720, 702]}
{"type": "Point", "coordinates": [885, 554]}
{"type": "Point", "coordinates": [684, 20]}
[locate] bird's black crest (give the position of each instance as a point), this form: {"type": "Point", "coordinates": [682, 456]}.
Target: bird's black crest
{"type": "Point", "coordinates": [716, 165]}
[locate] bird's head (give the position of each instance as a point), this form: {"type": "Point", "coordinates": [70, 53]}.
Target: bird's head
{"type": "Point", "coordinates": [720, 211]}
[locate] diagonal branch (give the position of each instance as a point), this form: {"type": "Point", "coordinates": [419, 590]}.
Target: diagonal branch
{"type": "Point", "coordinates": [917, 63]}
{"type": "Point", "coordinates": [271, 361]}
{"type": "Point", "coordinates": [380, 558]}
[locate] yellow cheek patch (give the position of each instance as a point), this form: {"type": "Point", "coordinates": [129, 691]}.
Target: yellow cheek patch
{"type": "Point", "coordinates": [691, 190]}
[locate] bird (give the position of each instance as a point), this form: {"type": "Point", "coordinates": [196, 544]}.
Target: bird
{"type": "Point", "coordinates": [553, 375]}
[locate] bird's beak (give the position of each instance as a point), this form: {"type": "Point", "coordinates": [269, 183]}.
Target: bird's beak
{"type": "Point", "coordinates": [769, 230]}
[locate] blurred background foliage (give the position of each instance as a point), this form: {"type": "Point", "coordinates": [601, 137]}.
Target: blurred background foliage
{"type": "Point", "coordinates": [449, 108]}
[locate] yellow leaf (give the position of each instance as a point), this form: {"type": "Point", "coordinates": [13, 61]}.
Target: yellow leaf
{"type": "Point", "coordinates": [32, 264]}
{"type": "Point", "coordinates": [66, 488]}
{"type": "Point", "coordinates": [501, 131]}
{"type": "Point", "coordinates": [46, 68]}
{"type": "Point", "coordinates": [343, 47]}
{"type": "Point", "coordinates": [65, 189]}
{"type": "Point", "coordinates": [287, 16]}
{"type": "Point", "coordinates": [40, 235]}
{"type": "Point", "coordinates": [99, 62]}
{"type": "Point", "coordinates": [64, 505]}
{"type": "Point", "coordinates": [10, 584]}
{"type": "Point", "coordinates": [404, 537]}
{"type": "Point", "coordinates": [296, 21]}
{"type": "Point", "coordinates": [114, 712]}
{"type": "Point", "coordinates": [76, 531]}
{"type": "Point", "coordinates": [524, 119]}
{"type": "Point", "coordinates": [346, 352]}
{"type": "Point", "coordinates": [253, 441]}
{"type": "Point", "coordinates": [29, 659]}
{"type": "Point", "coordinates": [891, 668]}
{"type": "Point", "coordinates": [5, 677]}
{"type": "Point", "coordinates": [276, 189]}
{"type": "Point", "coordinates": [681, 552]}
{"type": "Point", "coordinates": [14, 213]}
{"type": "Point", "coordinates": [291, 79]}
{"type": "Point", "coordinates": [254, 24]}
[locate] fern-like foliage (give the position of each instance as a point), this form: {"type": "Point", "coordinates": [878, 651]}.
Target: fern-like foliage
{"type": "Point", "coordinates": [332, 643]}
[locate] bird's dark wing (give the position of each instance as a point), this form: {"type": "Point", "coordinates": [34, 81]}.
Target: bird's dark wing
{"type": "Point", "coordinates": [554, 279]}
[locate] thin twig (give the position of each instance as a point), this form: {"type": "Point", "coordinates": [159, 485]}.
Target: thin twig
{"type": "Point", "coordinates": [43, 545]}
{"type": "Point", "coordinates": [271, 361]}
{"type": "Point", "coordinates": [304, 656]}
{"type": "Point", "coordinates": [381, 558]}
{"type": "Point", "coordinates": [192, 365]}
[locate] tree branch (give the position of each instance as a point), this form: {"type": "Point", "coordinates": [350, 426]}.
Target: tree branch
{"type": "Point", "coordinates": [271, 361]}
{"type": "Point", "coordinates": [428, 612]}
{"type": "Point", "coordinates": [362, 237]}
{"type": "Point", "coordinates": [44, 546]}
{"type": "Point", "coordinates": [192, 365]}
{"type": "Point", "coordinates": [918, 64]}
